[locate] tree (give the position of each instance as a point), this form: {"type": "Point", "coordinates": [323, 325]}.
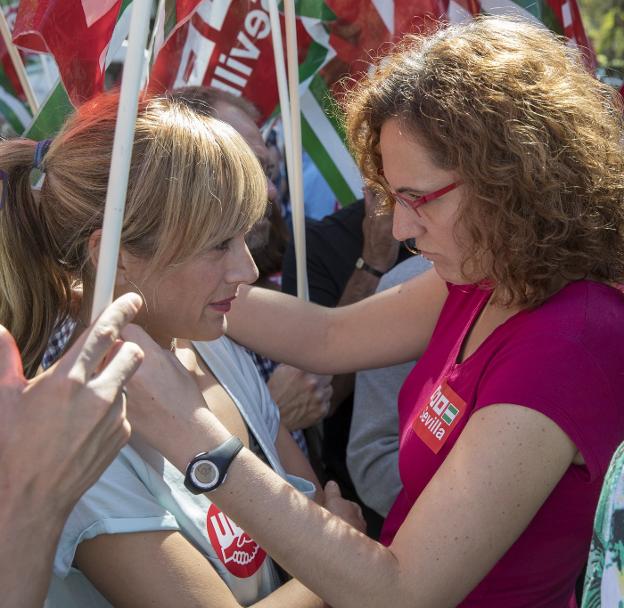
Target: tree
{"type": "Point", "coordinates": [604, 21]}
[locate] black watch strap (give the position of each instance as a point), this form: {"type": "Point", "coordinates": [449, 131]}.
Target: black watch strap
{"type": "Point", "coordinates": [360, 264]}
{"type": "Point", "coordinates": [208, 470]}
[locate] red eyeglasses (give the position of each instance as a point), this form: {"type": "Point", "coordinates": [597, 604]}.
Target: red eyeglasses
{"type": "Point", "coordinates": [413, 202]}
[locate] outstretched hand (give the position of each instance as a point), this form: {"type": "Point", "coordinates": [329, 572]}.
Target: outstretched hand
{"type": "Point", "coordinates": [59, 431]}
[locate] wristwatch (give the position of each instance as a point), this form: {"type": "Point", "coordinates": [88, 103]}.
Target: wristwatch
{"type": "Point", "coordinates": [360, 264]}
{"type": "Point", "coordinates": [208, 470]}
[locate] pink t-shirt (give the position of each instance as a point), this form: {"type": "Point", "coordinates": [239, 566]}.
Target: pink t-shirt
{"type": "Point", "coordinates": [564, 359]}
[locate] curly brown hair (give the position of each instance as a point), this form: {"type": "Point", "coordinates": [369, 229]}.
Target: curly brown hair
{"type": "Point", "coordinates": [537, 141]}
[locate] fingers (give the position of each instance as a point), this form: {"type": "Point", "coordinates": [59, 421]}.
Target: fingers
{"type": "Point", "coordinates": [123, 364]}
{"type": "Point", "coordinates": [86, 355]}
{"type": "Point", "coordinates": [10, 360]}
{"type": "Point", "coordinates": [332, 490]}
{"type": "Point", "coordinates": [324, 394]}
{"type": "Point", "coordinates": [322, 380]}
{"type": "Point", "coordinates": [370, 202]}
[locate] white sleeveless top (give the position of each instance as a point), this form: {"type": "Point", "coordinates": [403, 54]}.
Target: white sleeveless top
{"type": "Point", "coordinates": [141, 491]}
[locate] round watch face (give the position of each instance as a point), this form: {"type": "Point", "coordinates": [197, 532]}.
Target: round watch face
{"type": "Point", "coordinates": [204, 474]}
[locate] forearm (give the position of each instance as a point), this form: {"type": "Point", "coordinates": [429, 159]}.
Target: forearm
{"type": "Point", "coordinates": [28, 539]}
{"type": "Point", "coordinates": [265, 506]}
{"type": "Point", "coordinates": [276, 325]}
{"type": "Point", "coordinates": [344, 339]}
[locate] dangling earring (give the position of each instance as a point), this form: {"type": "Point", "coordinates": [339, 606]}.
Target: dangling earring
{"type": "Point", "coordinates": [410, 245]}
{"type": "Point", "coordinates": [140, 293]}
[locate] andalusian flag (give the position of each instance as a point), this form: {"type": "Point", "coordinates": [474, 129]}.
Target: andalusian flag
{"type": "Point", "coordinates": [450, 413]}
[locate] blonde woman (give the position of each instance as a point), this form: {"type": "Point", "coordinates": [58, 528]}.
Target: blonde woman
{"type": "Point", "coordinates": [502, 159]}
{"type": "Point", "coordinates": [138, 537]}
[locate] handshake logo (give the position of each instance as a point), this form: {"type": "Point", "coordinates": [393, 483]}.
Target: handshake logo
{"type": "Point", "coordinates": [238, 552]}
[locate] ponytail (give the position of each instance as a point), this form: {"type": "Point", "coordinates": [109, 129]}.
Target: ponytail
{"type": "Point", "coordinates": [35, 289]}
{"type": "Point", "coordinates": [193, 184]}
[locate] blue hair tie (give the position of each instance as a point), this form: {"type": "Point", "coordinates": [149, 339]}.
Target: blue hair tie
{"type": "Point", "coordinates": [4, 178]}
{"type": "Point", "coordinates": [40, 152]}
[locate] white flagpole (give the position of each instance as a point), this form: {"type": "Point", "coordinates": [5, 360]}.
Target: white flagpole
{"type": "Point", "coordinates": [296, 185]}
{"type": "Point", "coordinates": [18, 64]}
{"type": "Point", "coordinates": [122, 152]}
{"type": "Point", "coordinates": [282, 85]}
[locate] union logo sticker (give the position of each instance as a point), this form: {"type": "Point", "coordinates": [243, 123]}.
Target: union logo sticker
{"type": "Point", "coordinates": [238, 552]}
{"type": "Point", "coordinates": [439, 417]}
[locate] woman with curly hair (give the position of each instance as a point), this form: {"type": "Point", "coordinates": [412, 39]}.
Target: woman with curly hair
{"type": "Point", "coordinates": [503, 162]}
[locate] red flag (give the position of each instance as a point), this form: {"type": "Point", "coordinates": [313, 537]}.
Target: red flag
{"type": "Point", "coordinates": [76, 32]}
{"type": "Point", "coordinates": [231, 50]}
{"type": "Point", "coordinates": [7, 66]}
{"type": "Point", "coordinates": [363, 28]}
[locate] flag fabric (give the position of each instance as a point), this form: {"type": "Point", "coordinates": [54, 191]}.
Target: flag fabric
{"type": "Point", "coordinates": [76, 32]}
{"type": "Point", "coordinates": [56, 107]}
{"type": "Point", "coordinates": [80, 73]}
{"type": "Point", "coordinates": [364, 27]}
{"type": "Point", "coordinates": [560, 16]}
{"type": "Point", "coordinates": [96, 30]}
{"type": "Point", "coordinates": [360, 30]}
{"type": "Point", "coordinates": [13, 106]}
{"type": "Point", "coordinates": [227, 44]}
{"type": "Point", "coordinates": [172, 14]}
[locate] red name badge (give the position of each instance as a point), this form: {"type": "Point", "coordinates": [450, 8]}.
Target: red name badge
{"type": "Point", "coordinates": [439, 417]}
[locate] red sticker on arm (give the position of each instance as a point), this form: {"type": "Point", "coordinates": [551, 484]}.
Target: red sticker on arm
{"type": "Point", "coordinates": [238, 552]}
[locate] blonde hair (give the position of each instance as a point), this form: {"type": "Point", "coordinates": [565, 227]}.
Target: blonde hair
{"type": "Point", "coordinates": [536, 140]}
{"type": "Point", "coordinates": [193, 183]}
